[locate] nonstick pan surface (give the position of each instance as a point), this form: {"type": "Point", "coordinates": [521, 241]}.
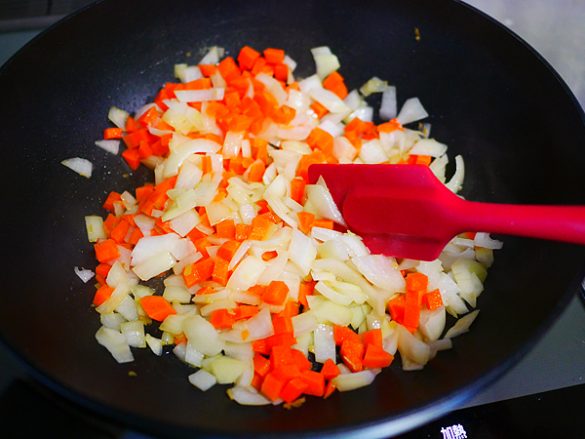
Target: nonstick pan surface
{"type": "Point", "coordinates": [491, 99]}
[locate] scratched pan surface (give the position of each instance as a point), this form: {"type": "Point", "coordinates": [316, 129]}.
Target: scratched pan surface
{"type": "Point", "coordinates": [490, 98]}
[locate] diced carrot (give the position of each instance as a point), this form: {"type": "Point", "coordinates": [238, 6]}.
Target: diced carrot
{"type": "Point", "coordinates": [260, 149]}
{"type": "Point", "coordinates": [315, 382]}
{"type": "Point", "coordinates": [113, 133]}
{"type": "Point", "coordinates": [300, 360]}
{"type": "Point", "coordinates": [135, 236]}
{"type": "Point", "coordinates": [102, 294]}
{"type": "Point", "coordinates": [261, 365]}
{"type": "Point", "coordinates": [343, 333]}
{"type": "Point", "coordinates": [207, 69]}
{"type": "Point", "coordinates": [132, 157]}
{"type": "Point", "coordinates": [132, 125]}
{"type": "Point", "coordinates": [291, 309]}
{"type": "Point", "coordinates": [247, 57]}
{"type": "Point", "coordinates": [245, 311]}
{"type": "Point", "coordinates": [329, 369]}
{"type": "Point", "coordinates": [220, 272]}
{"type": "Point", "coordinates": [396, 308]}
{"type": "Point", "coordinates": [307, 160]}
{"type": "Point", "coordinates": [321, 139]}
{"type": "Point", "coordinates": [329, 389]}
{"type": "Point", "coordinates": [324, 224]}
{"type": "Point", "coordinates": [106, 250]}
{"type": "Point", "coordinates": [432, 300]}
{"type": "Point", "coordinates": [267, 256]}
{"type": "Point", "coordinates": [306, 289]}
{"type": "Point", "coordinates": [119, 232]}
{"type": "Point", "coordinates": [389, 126]}
{"type": "Point", "coordinates": [281, 72]}
{"type": "Point", "coordinates": [352, 353]}
{"type": "Point", "coordinates": [276, 293]}
{"type": "Point", "coordinates": [222, 319]}
{"type": "Point", "coordinates": [110, 222]}
{"type": "Point", "coordinates": [113, 197]}
{"type": "Point", "coordinates": [180, 339]}
{"type": "Point", "coordinates": [373, 336]}
{"type": "Point", "coordinates": [293, 389]}
{"type": "Point", "coordinates": [226, 229]}
{"type": "Point", "coordinates": [376, 357]}
{"type": "Point", "coordinates": [282, 324]}
{"type": "Point", "coordinates": [257, 382]}
{"type": "Point", "coordinates": [102, 270]}
{"type": "Point", "coordinates": [297, 189]}
{"type": "Point", "coordinates": [417, 282]}
{"type": "Point", "coordinates": [156, 307]}
{"type": "Point", "coordinates": [228, 68]}
{"type": "Point", "coordinates": [256, 171]}
{"type": "Point", "coordinates": [198, 84]}
{"type": "Point", "coordinates": [198, 272]}
{"type": "Point", "coordinates": [335, 83]}
{"type": "Point", "coordinates": [257, 290]}
{"type": "Point", "coordinates": [228, 249]}
{"type": "Point", "coordinates": [319, 109]}
{"type": "Point", "coordinates": [284, 339]}
{"type": "Point", "coordinates": [271, 387]}
{"type": "Point", "coordinates": [274, 56]}
{"type": "Point", "coordinates": [411, 309]}
{"type": "Point", "coordinates": [306, 221]}
{"type": "Point", "coordinates": [206, 165]}
{"type": "Point", "coordinates": [261, 228]}
{"type": "Point", "coordinates": [261, 346]}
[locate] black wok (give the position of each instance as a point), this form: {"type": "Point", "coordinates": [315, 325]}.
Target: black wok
{"type": "Point", "coordinates": [491, 98]}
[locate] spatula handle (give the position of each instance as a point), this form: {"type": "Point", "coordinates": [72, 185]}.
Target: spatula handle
{"type": "Point", "coordinates": [560, 223]}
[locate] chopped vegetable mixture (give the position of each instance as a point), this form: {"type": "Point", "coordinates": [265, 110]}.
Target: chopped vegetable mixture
{"type": "Point", "coordinates": [264, 289]}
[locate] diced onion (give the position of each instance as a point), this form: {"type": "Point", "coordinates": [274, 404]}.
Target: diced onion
{"type": "Point", "coordinates": [462, 325]}
{"type": "Point", "coordinates": [84, 274]}
{"type": "Point", "coordinates": [202, 379]}
{"type": "Point", "coordinates": [388, 108]}
{"type": "Point", "coordinates": [118, 117]}
{"type": "Point", "coordinates": [82, 166]}
{"type": "Point", "coordinates": [115, 343]}
{"type": "Point", "coordinates": [411, 111]}
{"type": "Point", "coordinates": [111, 146]}
{"type": "Point", "coordinates": [352, 381]}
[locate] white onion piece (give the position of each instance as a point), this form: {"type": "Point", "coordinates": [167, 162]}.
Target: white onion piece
{"type": "Point", "coordinates": [343, 150]}
{"type": "Point", "coordinates": [462, 325]}
{"type": "Point", "coordinates": [324, 343]}
{"type": "Point", "coordinates": [213, 55]}
{"type": "Point", "coordinates": [411, 347]}
{"type": "Point", "coordinates": [149, 246]}
{"type": "Point", "coordinates": [144, 223]}
{"type": "Point", "coordinates": [320, 197]}
{"type": "Point", "coordinates": [432, 323]}
{"type": "Point", "coordinates": [134, 333]}
{"type": "Point", "coordinates": [371, 152]}
{"type": "Point", "coordinates": [380, 270]}
{"type": "Point", "coordinates": [202, 335]}
{"type": "Point", "coordinates": [112, 320]}
{"type": "Point", "coordinates": [202, 379]}
{"type": "Point", "coordinates": [428, 147]}
{"type": "Point", "coordinates": [388, 108]}
{"type": "Point", "coordinates": [247, 396]}
{"type": "Point", "coordinates": [329, 100]}
{"type": "Point", "coordinates": [191, 73]}
{"type": "Point", "coordinates": [180, 150]}
{"type": "Point", "coordinates": [304, 323]}
{"type": "Point", "coordinates": [352, 381]}
{"type": "Point", "coordinates": [485, 241]}
{"type": "Point", "coordinates": [259, 326]}
{"type": "Point", "coordinates": [127, 309]}
{"type": "Point", "coordinates": [115, 343]}
{"type": "Point", "coordinates": [155, 344]}
{"type": "Point", "coordinates": [118, 117]}
{"type": "Point", "coordinates": [111, 146]}
{"type": "Point", "coordinates": [82, 166]}
{"type": "Point", "coordinates": [335, 129]}
{"type": "Point", "coordinates": [94, 225]}
{"type": "Point", "coordinates": [154, 265]}
{"type": "Point", "coordinates": [274, 87]}
{"type": "Point", "coordinates": [227, 370]}
{"type": "Point", "coordinates": [411, 111]}
{"type": "Point", "coordinates": [185, 222]}
{"type": "Point", "coordinates": [246, 273]}
{"type": "Point", "coordinates": [209, 94]}
{"type": "Point", "coordinates": [456, 182]}
{"type": "Point", "coordinates": [323, 234]}
{"type": "Point", "coordinates": [239, 254]}
{"type": "Point", "coordinates": [373, 85]}
{"type": "Point", "coordinates": [325, 62]}
{"type": "Point", "coordinates": [302, 251]}
{"type": "Point", "coordinates": [84, 274]}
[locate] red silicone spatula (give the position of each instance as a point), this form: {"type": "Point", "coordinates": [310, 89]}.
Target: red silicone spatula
{"type": "Point", "coordinates": [405, 211]}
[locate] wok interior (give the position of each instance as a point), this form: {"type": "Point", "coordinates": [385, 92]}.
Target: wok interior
{"type": "Point", "coordinates": [490, 99]}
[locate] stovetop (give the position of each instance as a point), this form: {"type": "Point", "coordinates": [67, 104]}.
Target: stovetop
{"type": "Point", "coordinates": [545, 381]}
